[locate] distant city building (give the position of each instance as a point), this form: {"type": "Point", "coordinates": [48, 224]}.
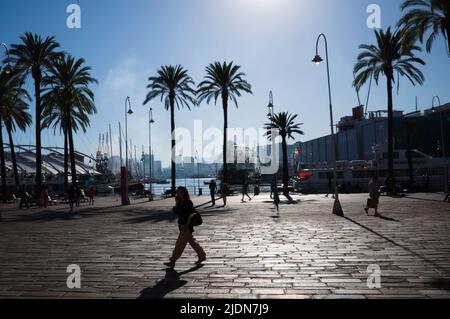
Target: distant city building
{"type": "Point", "coordinates": [157, 168]}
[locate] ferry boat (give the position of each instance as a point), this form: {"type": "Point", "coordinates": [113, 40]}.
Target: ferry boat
{"type": "Point", "coordinates": [430, 173]}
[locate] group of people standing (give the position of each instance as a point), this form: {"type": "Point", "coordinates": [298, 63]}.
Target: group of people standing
{"type": "Point", "coordinates": [213, 190]}
{"type": "Point", "coordinates": [224, 192]}
{"type": "Point", "coordinates": [76, 194]}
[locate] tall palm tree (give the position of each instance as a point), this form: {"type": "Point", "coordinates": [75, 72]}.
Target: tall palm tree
{"type": "Point", "coordinates": [69, 101]}
{"type": "Point", "coordinates": [394, 52]}
{"type": "Point", "coordinates": [427, 16]}
{"type": "Point", "coordinates": [224, 80]}
{"type": "Point", "coordinates": [284, 123]}
{"type": "Point", "coordinates": [33, 56]}
{"type": "Point", "coordinates": [15, 115]}
{"type": "Point", "coordinates": [57, 117]}
{"type": "Point", "coordinates": [7, 85]}
{"type": "Point", "coordinates": [173, 85]}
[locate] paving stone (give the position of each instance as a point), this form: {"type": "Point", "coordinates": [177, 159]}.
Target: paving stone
{"type": "Point", "coordinates": [306, 253]}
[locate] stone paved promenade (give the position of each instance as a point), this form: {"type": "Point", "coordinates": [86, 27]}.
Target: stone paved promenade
{"type": "Point", "coordinates": [304, 252]}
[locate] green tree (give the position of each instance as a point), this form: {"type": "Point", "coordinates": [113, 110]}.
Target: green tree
{"type": "Point", "coordinates": [69, 101]}
{"type": "Point", "coordinates": [14, 113]}
{"type": "Point", "coordinates": [224, 80]}
{"type": "Point", "coordinates": [284, 123]}
{"type": "Point", "coordinates": [34, 55]}
{"type": "Point", "coordinates": [173, 85]}
{"type": "Point", "coordinates": [394, 52]}
{"type": "Point", "coordinates": [427, 18]}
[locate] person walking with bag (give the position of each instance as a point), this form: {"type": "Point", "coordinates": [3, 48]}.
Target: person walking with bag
{"type": "Point", "coordinates": [374, 194]}
{"type": "Point", "coordinates": [186, 213]}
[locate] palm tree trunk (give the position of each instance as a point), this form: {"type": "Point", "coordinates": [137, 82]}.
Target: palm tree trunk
{"type": "Point", "coordinates": [66, 162]}
{"type": "Point", "coordinates": [172, 129]}
{"type": "Point", "coordinates": [390, 136]}
{"type": "Point", "coordinates": [72, 155]}
{"type": "Point", "coordinates": [225, 129]}
{"type": "Point", "coordinates": [2, 164]}
{"type": "Point", "coordinates": [13, 158]}
{"type": "Point", "coordinates": [37, 93]}
{"type": "Point", "coordinates": [285, 167]}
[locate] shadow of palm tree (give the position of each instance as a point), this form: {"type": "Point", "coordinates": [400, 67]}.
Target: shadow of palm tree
{"type": "Point", "coordinates": [427, 260]}
{"type": "Point", "coordinates": [169, 283]}
{"type": "Point", "coordinates": [145, 216]}
{"type": "Point", "coordinates": [219, 210]}
{"type": "Point", "coordinates": [388, 218]}
{"type": "Point", "coordinates": [424, 199]}
{"type": "Point", "coordinates": [63, 214]}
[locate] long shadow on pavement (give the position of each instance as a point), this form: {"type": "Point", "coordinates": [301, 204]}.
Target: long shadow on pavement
{"type": "Point", "coordinates": [48, 216]}
{"type": "Point", "coordinates": [425, 199]}
{"type": "Point", "coordinates": [437, 267]}
{"type": "Point", "coordinates": [144, 216]}
{"type": "Point", "coordinates": [170, 283]}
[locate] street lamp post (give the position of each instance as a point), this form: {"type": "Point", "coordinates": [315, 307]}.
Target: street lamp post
{"type": "Point", "coordinates": [7, 68]}
{"type": "Point", "coordinates": [337, 208]}
{"type": "Point", "coordinates": [143, 164]}
{"type": "Point", "coordinates": [270, 115]}
{"type": "Point", "coordinates": [443, 145]}
{"type": "Point", "coordinates": [150, 122]}
{"type": "Point", "coordinates": [129, 112]}
{"type": "Point", "coordinates": [125, 198]}
{"type": "Point", "coordinates": [198, 172]}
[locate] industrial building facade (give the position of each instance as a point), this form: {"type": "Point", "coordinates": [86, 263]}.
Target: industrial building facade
{"type": "Point", "coordinates": [428, 132]}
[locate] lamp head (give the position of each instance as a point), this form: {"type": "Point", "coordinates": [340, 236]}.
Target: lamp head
{"type": "Point", "coordinates": [270, 107]}
{"type": "Point", "coordinates": [130, 112]}
{"type": "Point", "coordinates": [152, 121]}
{"type": "Point", "coordinates": [317, 59]}
{"type": "Point", "coordinates": [8, 69]}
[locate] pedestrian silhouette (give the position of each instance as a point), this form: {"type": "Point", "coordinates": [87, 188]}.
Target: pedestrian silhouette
{"type": "Point", "coordinates": [185, 211]}
{"type": "Point", "coordinates": [245, 191]}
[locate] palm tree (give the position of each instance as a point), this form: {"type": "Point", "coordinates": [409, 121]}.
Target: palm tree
{"type": "Point", "coordinates": [224, 80]}
{"type": "Point", "coordinates": [69, 102]}
{"type": "Point", "coordinates": [33, 56]}
{"type": "Point", "coordinates": [393, 53]}
{"type": "Point", "coordinates": [6, 85]}
{"type": "Point", "coordinates": [57, 117]}
{"type": "Point", "coordinates": [173, 85]}
{"type": "Point", "coordinates": [427, 16]}
{"type": "Point", "coordinates": [285, 124]}
{"type": "Point", "coordinates": [15, 114]}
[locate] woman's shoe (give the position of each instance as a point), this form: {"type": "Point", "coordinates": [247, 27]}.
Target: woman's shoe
{"type": "Point", "coordinates": [200, 260]}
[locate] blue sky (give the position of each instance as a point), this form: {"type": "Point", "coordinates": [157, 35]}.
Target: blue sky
{"type": "Point", "coordinates": [273, 40]}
